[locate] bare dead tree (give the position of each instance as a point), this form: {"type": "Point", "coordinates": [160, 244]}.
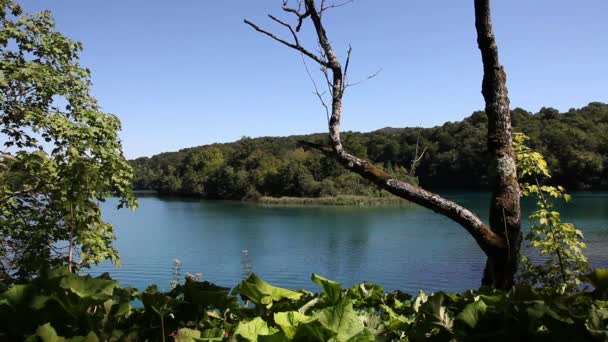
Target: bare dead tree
{"type": "Point", "coordinates": [496, 243]}
{"type": "Point", "coordinates": [417, 157]}
{"type": "Point", "coordinates": [505, 211]}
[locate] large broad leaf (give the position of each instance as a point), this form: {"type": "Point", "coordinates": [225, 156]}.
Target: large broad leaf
{"type": "Point", "coordinates": [190, 335]}
{"type": "Point", "coordinates": [396, 322]}
{"type": "Point", "coordinates": [366, 294]}
{"type": "Point", "coordinates": [254, 328]}
{"type": "Point", "coordinates": [290, 321]}
{"type": "Point", "coordinates": [262, 293]}
{"type": "Point", "coordinates": [539, 310]}
{"type": "Point", "coordinates": [438, 312]}
{"type": "Point", "coordinates": [471, 314]}
{"type": "Point", "coordinates": [58, 272]}
{"type": "Point", "coordinates": [276, 337]}
{"type": "Point", "coordinates": [364, 336]}
{"type": "Point", "coordinates": [331, 289]}
{"type": "Point", "coordinates": [420, 299]}
{"type": "Point", "coordinates": [214, 334]}
{"type": "Point", "coordinates": [47, 333]}
{"type": "Point", "coordinates": [187, 335]}
{"type": "Point", "coordinates": [372, 322]}
{"type": "Point", "coordinates": [17, 295]}
{"type": "Point", "coordinates": [341, 319]}
{"type": "Point", "coordinates": [89, 287]}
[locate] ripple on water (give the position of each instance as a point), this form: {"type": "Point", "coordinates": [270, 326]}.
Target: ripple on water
{"type": "Point", "coordinates": [407, 248]}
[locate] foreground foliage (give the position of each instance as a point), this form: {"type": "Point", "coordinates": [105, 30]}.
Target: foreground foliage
{"type": "Point", "coordinates": [560, 244]}
{"type": "Point", "coordinates": [82, 308]}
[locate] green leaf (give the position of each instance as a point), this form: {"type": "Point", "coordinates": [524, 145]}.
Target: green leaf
{"type": "Point", "coordinates": [91, 337]}
{"type": "Point", "coordinates": [290, 321]}
{"type": "Point", "coordinates": [278, 336]}
{"type": "Point", "coordinates": [215, 334]}
{"type": "Point", "coordinates": [434, 307]}
{"type": "Point", "coordinates": [17, 295]}
{"type": "Point", "coordinates": [89, 287]}
{"type": "Point", "coordinates": [396, 322]}
{"type": "Point", "coordinates": [420, 299]}
{"type": "Point", "coordinates": [341, 319]}
{"type": "Point", "coordinates": [254, 328]}
{"type": "Point", "coordinates": [472, 313]}
{"type": "Point", "coordinates": [48, 334]}
{"type": "Point", "coordinates": [262, 293]}
{"type": "Point", "coordinates": [187, 335]}
{"type": "Point", "coordinates": [331, 289]}
{"type": "Point", "coordinates": [364, 336]}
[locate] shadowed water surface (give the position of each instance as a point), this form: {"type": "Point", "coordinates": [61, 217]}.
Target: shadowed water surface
{"type": "Point", "coordinates": [408, 248]}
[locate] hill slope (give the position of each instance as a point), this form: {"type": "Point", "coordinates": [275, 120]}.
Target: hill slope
{"type": "Point", "coordinates": [575, 144]}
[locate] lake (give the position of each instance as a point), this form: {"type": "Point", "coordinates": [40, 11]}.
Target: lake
{"type": "Point", "coordinates": [408, 248]}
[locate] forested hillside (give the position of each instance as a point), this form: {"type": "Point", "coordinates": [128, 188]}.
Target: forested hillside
{"type": "Point", "coordinates": [574, 143]}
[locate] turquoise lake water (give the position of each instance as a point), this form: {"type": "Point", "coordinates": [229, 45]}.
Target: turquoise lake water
{"type": "Point", "coordinates": [408, 248]}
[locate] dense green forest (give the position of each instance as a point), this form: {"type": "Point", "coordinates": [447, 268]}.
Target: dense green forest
{"type": "Point", "coordinates": [574, 143]}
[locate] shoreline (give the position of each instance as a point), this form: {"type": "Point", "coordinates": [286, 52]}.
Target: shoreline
{"type": "Point", "coordinates": [340, 200]}
{"type": "Point", "coordinates": [337, 201]}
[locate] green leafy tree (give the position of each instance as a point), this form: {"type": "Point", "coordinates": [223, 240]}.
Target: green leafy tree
{"type": "Point", "coordinates": [455, 156]}
{"type": "Point", "coordinates": [560, 244]}
{"type": "Point", "coordinates": [62, 153]}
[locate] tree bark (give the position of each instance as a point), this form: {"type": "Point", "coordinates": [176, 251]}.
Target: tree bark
{"type": "Point", "coordinates": [505, 214]}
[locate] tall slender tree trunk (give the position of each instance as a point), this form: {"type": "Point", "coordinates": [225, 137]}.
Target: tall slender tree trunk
{"type": "Point", "coordinates": [505, 213]}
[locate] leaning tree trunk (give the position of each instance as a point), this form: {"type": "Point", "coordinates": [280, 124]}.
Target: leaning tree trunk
{"type": "Point", "coordinates": [505, 211]}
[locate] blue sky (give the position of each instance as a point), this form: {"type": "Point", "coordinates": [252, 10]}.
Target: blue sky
{"type": "Point", "coordinates": [190, 72]}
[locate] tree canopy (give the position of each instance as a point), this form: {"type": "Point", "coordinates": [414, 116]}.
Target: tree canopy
{"type": "Point", "coordinates": [574, 144]}
{"type": "Point", "coordinates": [62, 153]}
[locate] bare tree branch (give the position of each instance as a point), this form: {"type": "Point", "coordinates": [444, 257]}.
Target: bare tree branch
{"type": "Point", "coordinates": [293, 33]}
{"type": "Point", "coordinates": [348, 54]}
{"type": "Point", "coordinates": [323, 7]}
{"type": "Point", "coordinates": [416, 157]}
{"type": "Point", "coordinates": [487, 240]}
{"type": "Point", "coordinates": [297, 12]}
{"type": "Point", "coordinates": [284, 42]}
{"type": "Point", "coordinates": [365, 79]}
{"type": "Point", "coordinates": [316, 92]}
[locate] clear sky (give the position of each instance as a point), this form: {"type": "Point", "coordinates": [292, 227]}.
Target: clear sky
{"type": "Point", "coordinates": [190, 72]}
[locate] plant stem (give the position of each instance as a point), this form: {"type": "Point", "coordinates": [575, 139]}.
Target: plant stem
{"type": "Point", "coordinates": [162, 326]}
{"type": "Point", "coordinates": [71, 249]}
{"type": "Point", "coordinates": [559, 255]}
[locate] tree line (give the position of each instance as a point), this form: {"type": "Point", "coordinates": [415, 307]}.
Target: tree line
{"type": "Point", "coordinates": [455, 156]}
